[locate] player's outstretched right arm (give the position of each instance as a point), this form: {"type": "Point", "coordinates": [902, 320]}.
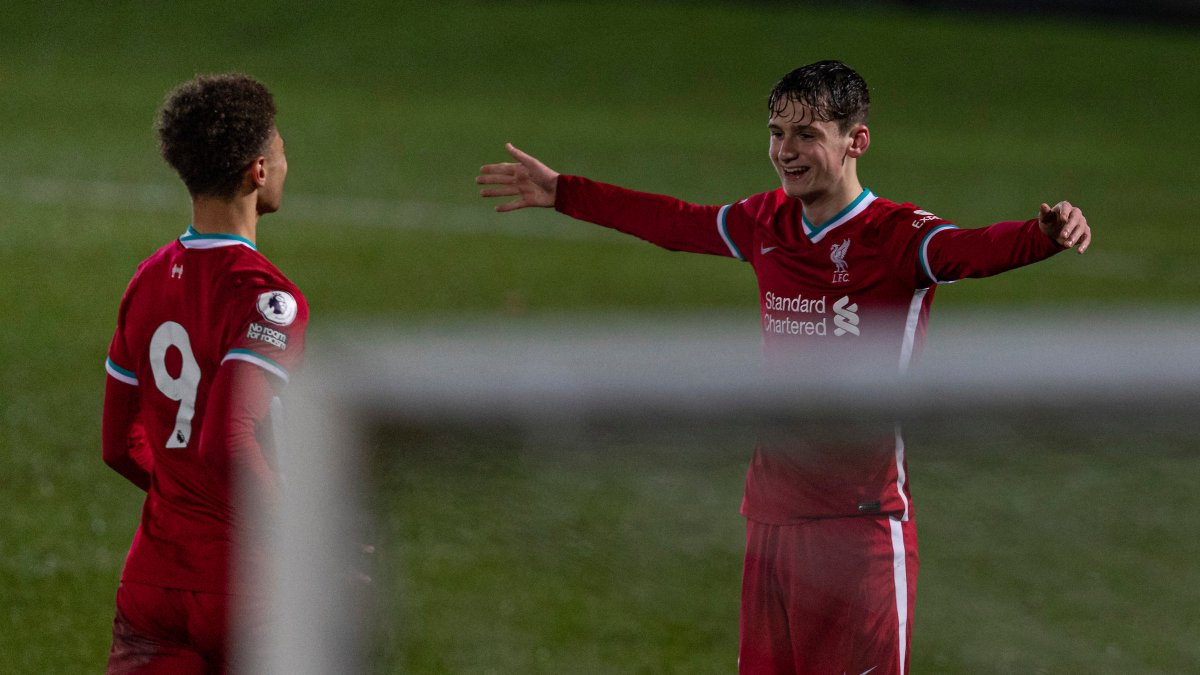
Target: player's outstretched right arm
{"type": "Point", "coordinates": [665, 221]}
{"type": "Point", "coordinates": [527, 179]}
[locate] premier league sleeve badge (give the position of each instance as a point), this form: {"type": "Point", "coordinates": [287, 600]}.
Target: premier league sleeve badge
{"type": "Point", "coordinates": [278, 307]}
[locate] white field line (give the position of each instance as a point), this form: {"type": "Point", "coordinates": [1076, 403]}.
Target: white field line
{"type": "Point", "coordinates": [309, 208]}
{"type": "Point", "coordinates": [411, 215]}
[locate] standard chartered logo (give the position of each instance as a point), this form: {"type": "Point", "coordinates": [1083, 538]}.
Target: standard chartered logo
{"type": "Point", "coordinates": [845, 318]}
{"type": "Point", "coordinates": [799, 315]}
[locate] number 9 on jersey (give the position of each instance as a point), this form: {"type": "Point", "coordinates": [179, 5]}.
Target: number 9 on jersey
{"type": "Point", "coordinates": [182, 388]}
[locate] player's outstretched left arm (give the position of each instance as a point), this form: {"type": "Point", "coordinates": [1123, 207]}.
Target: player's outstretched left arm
{"type": "Point", "coordinates": [1066, 225]}
{"type": "Point", "coordinates": [948, 253]}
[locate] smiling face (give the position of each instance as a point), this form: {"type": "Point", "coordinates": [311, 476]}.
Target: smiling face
{"type": "Point", "coordinates": [815, 158]}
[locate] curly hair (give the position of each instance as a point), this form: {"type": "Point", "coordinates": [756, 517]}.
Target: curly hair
{"type": "Point", "coordinates": [833, 91]}
{"type": "Point", "coordinates": [211, 127]}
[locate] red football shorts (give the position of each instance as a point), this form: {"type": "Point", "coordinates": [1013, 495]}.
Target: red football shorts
{"type": "Point", "coordinates": [167, 630]}
{"type": "Point", "coordinates": [829, 596]}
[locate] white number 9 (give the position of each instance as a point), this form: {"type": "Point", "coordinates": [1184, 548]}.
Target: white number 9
{"type": "Point", "coordinates": [182, 388]}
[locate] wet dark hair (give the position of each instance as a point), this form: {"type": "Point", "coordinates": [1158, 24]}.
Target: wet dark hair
{"type": "Point", "coordinates": [833, 91]}
{"type": "Point", "coordinates": [211, 127]}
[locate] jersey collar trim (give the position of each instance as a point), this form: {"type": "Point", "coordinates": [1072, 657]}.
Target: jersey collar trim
{"type": "Point", "coordinates": [194, 239]}
{"type": "Point", "coordinates": [860, 203]}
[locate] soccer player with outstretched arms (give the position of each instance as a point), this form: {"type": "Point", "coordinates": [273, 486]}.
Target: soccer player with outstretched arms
{"type": "Point", "coordinates": [207, 333]}
{"type": "Point", "coordinates": [830, 568]}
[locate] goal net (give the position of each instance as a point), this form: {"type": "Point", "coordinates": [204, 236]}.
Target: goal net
{"type": "Point", "coordinates": [561, 494]}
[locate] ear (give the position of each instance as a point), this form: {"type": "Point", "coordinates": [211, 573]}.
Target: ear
{"type": "Point", "coordinates": [860, 140]}
{"type": "Point", "coordinates": [256, 173]}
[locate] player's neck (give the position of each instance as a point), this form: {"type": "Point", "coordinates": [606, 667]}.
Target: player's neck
{"type": "Point", "coordinates": [821, 207]}
{"type": "Point", "coordinates": [237, 216]}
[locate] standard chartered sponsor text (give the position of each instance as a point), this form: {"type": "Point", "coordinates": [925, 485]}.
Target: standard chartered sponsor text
{"type": "Point", "coordinates": [788, 323]}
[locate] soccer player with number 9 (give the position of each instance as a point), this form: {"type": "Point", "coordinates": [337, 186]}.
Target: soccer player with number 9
{"type": "Point", "coordinates": [207, 334]}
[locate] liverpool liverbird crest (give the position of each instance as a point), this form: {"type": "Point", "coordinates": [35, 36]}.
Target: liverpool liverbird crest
{"type": "Point", "coordinates": [837, 253]}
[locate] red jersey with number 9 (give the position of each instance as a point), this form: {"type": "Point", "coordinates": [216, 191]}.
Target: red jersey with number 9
{"type": "Point", "coordinates": [198, 302]}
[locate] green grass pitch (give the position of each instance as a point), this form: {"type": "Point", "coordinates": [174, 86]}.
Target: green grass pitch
{"type": "Point", "coordinates": [1044, 554]}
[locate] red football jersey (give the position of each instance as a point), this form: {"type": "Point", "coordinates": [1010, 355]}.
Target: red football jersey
{"type": "Point", "coordinates": [197, 303]}
{"type": "Point", "coordinates": [858, 286]}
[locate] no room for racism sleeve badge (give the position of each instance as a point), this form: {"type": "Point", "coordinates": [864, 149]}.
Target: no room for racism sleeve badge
{"type": "Point", "coordinates": [278, 307]}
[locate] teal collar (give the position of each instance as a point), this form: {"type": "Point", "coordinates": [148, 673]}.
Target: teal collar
{"type": "Point", "coordinates": [194, 239]}
{"type": "Point", "coordinates": [860, 203]}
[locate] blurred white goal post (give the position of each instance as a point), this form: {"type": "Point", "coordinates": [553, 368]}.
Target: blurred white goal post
{"type": "Point", "coordinates": [569, 374]}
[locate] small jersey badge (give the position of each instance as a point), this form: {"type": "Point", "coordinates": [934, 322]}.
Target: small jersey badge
{"type": "Point", "coordinates": [278, 307]}
{"type": "Point", "coordinates": [837, 255]}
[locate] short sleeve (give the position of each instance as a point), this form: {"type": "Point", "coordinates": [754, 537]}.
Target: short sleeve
{"type": "Point", "coordinates": [737, 222]}
{"type": "Point", "coordinates": [908, 232]}
{"type": "Point", "coordinates": [270, 332]}
{"type": "Point", "coordinates": [120, 364]}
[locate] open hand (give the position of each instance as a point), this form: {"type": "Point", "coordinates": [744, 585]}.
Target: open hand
{"type": "Point", "coordinates": [527, 179]}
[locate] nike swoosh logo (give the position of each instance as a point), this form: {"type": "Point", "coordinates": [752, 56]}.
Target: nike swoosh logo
{"type": "Point", "coordinates": [767, 249]}
{"type": "Point", "coordinates": [868, 670]}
